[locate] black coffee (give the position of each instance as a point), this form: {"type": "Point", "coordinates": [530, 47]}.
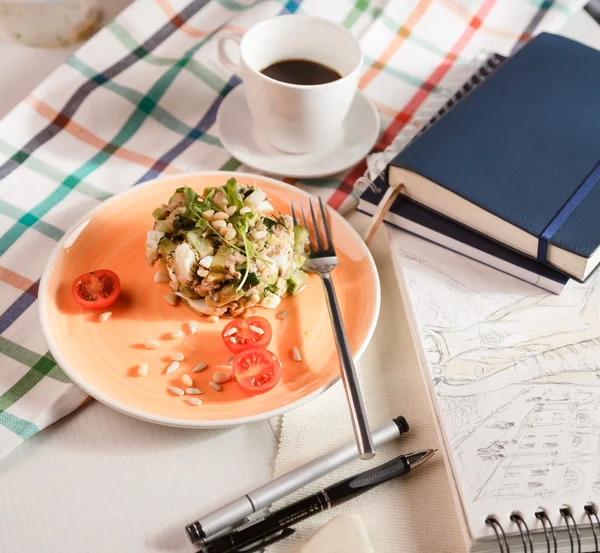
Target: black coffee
{"type": "Point", "coordinates": [302, 72]}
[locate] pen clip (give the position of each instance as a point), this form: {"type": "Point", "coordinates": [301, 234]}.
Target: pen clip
{"type": "Point", "coordinates": [266, 541]}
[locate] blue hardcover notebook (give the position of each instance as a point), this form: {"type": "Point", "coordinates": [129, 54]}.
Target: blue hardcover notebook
{"type": "Point", "coordinates": [422, 222]}
{"type": "Point", "coordinates": [517, 159]}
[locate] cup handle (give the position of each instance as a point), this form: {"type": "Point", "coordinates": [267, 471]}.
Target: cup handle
{"type": "Point", "coordinates": [224, 58]}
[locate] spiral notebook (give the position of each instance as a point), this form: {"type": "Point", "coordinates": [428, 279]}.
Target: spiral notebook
{"type": "Point", "coordinates": [513, 378]}
{"type": "Point", "coordinates": [436, 228]}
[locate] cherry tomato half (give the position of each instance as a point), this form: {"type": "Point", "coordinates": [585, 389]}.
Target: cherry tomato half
{"type": "Point", "coordinates": [256, 370]}
{"type": "Point", "coordinates": [253, 332]}
{"type": "Point", "coordinates": [96, 290]}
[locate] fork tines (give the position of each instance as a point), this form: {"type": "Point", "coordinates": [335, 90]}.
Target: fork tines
{"type": "Point", "coordinates": [322, 243]}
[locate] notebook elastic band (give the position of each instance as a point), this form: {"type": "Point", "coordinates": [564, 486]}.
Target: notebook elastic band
{"type": "Point", "coordinates": [565, 212]}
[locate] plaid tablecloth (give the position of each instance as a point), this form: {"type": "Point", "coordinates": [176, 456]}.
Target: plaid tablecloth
{"type": "Point", "coordinates": [140, 99]}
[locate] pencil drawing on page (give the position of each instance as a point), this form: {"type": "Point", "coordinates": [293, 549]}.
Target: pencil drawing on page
{"type": "Point", "coordinates": [515, 372]}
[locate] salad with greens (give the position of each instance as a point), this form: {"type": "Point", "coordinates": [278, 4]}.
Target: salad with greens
{"type": "Point", "coordinates": [225, 251]}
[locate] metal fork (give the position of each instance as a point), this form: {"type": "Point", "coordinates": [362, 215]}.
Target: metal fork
{"type": "Point", "coordinates": [322, 260]}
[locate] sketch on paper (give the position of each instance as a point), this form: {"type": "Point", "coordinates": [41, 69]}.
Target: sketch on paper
{"type": "Point", "coordinates": [515, 371]}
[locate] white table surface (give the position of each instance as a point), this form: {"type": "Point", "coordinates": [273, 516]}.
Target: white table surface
{"type": "Point", "coordinates": [99, 481]}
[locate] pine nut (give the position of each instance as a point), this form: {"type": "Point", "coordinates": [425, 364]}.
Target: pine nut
{"type": "Point", "coordinates": [245, 210]}
{"type": "Point", "coordinates": [220, 216]}
{"type": "Point", "coordinates": [219, 224]}
{"type": "Point", "coordinates": [223, 231]}
{"type": "Point", "coordinates": [208, 215]}
{"type": "Point", "coordinates": [296, 353]}
{"type": "Point", "coordinates": [171, 299]}
{"type": "Point", "coordinates": [231, 210]}
{"type": "Point", "coordinates": [172, 367]}
{"type": "Point", "coordinates": [231, 234]}
{"type": "Point", "coordinates": [194, 401]}
{"type": "Point", "coordinates": [161, 277]}
{"type": "Point", "coordinates": [221, 376]}
{"type": "Point", "coordinates": [105, 316]}
{"type": "Point", "coordinates": [206, 261]}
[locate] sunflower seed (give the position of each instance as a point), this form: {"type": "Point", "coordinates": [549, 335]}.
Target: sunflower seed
{"type": "Point", "coordinates": [193, 391]}
{"type": "Point", "coordinates": [282, 315]}
{"type": "Point", "coordinates": [221, 376]}
{"type": "Point", "coordinates": [177, 356]}
{"type": "Point", "coordinates": [105, 316]}
{"type": "Point", "coordinates": [171, 299]}
{"type": "Point", "coordinates": [215, 386]}
{"type": "Point", "coordinates": [152, 344]}
{"type": "Point", "coordinates": [143, 369]}
{"type": "Point", "coordinates": [199, 367]}
{"type": "Point", "coordinates": [193, 326]}
{"type": "Point", "coordinates": [172, 367]}
{"type": "Point", "coordinates": [296, 353]}
{"type": "Point", "coordinates": [176, 391]}
{"type": "Point", "coordinates": [161, 277]}
{"type": "Point", "coordinates": [187, 380]}
{"type": "Point", "coordinates": [194, 401]}
{"type": "Point", "coordinates": [231, 331]}
{"type": "Point", "coordinates": [256, 329]}
{"type": "Point", "coordinates": [213, 319]}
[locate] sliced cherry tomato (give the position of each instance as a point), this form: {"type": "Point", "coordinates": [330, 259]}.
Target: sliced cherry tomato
{"type": "Point", "coordinates": [96, 290]}
{"type": "Point", "coordinates": [253, 332]}
{"type": "Point", "coordinates": [256, 370]}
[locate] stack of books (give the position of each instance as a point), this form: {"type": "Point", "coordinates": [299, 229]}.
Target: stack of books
{"type": "Point", "coordinates": [506, 173]}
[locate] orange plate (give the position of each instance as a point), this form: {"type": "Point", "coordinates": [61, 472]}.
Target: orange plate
{"type": "Point", "coordinates": [102, 358]}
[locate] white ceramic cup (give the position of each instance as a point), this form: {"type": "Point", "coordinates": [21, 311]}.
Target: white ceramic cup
{"type": "Point", "coordinates": [296, 118]}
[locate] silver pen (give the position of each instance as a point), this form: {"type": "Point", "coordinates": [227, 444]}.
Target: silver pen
{"type": "Point", "coordinates": [207, 527]}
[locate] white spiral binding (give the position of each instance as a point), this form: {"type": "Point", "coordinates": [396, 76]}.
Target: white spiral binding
{"type": "Point", "coordinates": [549, 531]}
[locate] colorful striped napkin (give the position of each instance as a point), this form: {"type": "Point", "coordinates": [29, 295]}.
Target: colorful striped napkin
{"type": "Point", "coordinates": [139, 100]}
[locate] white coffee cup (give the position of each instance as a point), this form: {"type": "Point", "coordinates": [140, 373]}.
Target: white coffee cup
{"type": "Point", "coordinates": [296, 118]}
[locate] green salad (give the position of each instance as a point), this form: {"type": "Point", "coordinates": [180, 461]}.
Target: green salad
{"type": "Point", "coordinates": [225, 250]}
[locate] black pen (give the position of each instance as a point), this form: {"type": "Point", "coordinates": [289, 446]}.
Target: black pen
{"type": "Point", "coordinates": [275, 526]}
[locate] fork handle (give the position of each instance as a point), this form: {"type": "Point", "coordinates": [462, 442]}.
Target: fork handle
{"type": "Point", "coordinates": [360, 423]}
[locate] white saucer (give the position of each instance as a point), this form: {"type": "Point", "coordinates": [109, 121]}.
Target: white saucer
{"type": "Point", "coordinates": [242, 140]}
